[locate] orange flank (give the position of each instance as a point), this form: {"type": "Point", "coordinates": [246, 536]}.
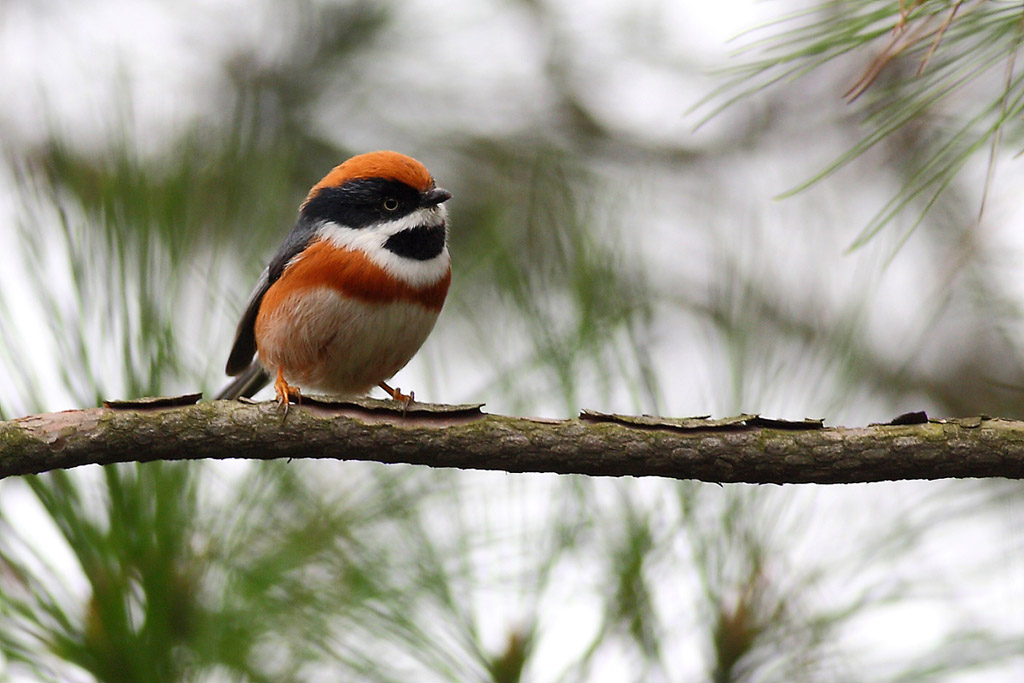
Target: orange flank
{"type": "Point", "coordinates": [353, 275]}
{"type": "Point", "coordinates": [389, 165]}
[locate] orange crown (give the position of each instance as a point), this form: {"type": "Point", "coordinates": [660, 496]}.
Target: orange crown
{"type": "Point", "coordinates": [381, 164]}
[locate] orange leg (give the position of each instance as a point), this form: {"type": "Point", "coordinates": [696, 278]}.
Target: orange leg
{"type": "Point", "coordinates": [397, 395]}
{"type": "Point", "coordinates": [285, 392]}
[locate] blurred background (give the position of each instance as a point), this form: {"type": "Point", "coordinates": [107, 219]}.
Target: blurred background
{"type": "Point", "coordinates": [632, 230]}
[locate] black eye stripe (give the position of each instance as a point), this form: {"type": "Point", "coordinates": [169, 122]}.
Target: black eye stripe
{"type": "Point", "coordinates": [359, 203]}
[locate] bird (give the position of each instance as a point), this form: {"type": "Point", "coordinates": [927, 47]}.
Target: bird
{"type": "Point", "coordinates": [354, 289]}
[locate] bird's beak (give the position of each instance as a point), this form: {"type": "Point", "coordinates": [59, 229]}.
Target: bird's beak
{"type": "Point", "coordinates": [434, 197]}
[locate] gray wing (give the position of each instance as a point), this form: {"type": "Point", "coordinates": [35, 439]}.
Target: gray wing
{"type": "Point", "coordinates": [244, 347]}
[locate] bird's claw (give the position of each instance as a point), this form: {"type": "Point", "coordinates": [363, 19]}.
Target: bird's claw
{"type": "Point", "coordinates": [396, 395]}
{"type": "Point", "coordinates": [285, 393]}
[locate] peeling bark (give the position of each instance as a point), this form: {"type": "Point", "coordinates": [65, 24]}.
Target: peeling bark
{"type": "Point", "coordinates": [745, 448]}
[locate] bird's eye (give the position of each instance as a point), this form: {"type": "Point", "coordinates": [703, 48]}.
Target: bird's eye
{"type": "Point", "coordinates": [390, 204]}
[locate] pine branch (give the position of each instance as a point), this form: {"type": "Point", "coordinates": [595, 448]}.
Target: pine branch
{"type": "Point", "coordinates": [741, 449]}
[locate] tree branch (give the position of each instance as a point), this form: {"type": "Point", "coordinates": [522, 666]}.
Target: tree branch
{"type": "Point", "coordinates": [741, 449]}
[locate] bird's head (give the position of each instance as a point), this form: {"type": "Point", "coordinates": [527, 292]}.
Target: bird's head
{"type": "Point", "coordinates": [383, 203]}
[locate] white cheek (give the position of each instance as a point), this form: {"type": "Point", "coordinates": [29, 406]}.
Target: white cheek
{"type": "Point", "coordinates": [370, 240]}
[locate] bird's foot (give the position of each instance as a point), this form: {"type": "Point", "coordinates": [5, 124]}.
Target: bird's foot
{"type": "Point", "coordinates": [397, 395]}
{"type": "Point", "coordinates": [285, 392]}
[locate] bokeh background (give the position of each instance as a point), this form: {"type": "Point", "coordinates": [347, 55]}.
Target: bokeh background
{"type": "Point", "coordinates": [626, 237]}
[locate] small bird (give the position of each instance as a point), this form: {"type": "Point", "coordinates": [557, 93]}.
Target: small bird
{"type": "Point", "coordinates": [354, 289]}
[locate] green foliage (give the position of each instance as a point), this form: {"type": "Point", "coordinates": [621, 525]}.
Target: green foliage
{"type": "Point", "coordinates": [943, 77]}
{"type": "Point", "coordinates": [133, 553]}
{"type": "Point", "coordinates": [546, 251]}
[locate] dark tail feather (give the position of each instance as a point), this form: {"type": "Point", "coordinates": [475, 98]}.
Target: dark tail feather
{"type": "Point", "coordinates": [247, 383]}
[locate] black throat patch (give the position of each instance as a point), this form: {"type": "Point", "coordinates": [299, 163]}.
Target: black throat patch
{"type": "Point", "coordinates": [422, 243]}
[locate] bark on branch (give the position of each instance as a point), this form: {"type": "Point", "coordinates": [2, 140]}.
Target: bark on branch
{"type": "Point", "coordinates": [742, 449]}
